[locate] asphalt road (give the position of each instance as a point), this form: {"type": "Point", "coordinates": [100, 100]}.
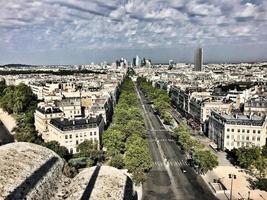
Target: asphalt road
{"type": "Point", "coordinates": [166, 179]}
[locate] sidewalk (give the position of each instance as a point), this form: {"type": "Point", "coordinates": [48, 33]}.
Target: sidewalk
{"type": "Point", "coordinates": [240, 184]}
{"type": "Point", "coordinates": [7, 120]}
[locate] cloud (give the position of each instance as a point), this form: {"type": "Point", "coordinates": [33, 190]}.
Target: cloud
{"type": "Point", "coordinates": [99, 24]}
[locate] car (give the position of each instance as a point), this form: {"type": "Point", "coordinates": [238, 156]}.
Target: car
{"type": "Point", "coordinates": [183, 169]}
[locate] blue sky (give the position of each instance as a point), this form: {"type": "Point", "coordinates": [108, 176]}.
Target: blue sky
{"type": "Point", "coordinates": [85, 31]}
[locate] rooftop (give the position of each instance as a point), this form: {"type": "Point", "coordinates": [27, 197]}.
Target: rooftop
{"type": "Point", "coordinates": [48, 110]}
{"type": "Point", "coordinates": [74, 124]}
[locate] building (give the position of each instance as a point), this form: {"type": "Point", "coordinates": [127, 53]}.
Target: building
{"type": "Point", "coordinates": [198, 59]}
{"type": "Point", "coordinates": [42, 116]}
{"type": "Point", "coordinates": [70, 106]}
{"type": "Point", "coordinates": [256, 105]}
{"type": "Point", "coordinates": [237, 130]}
{"type": "Point", "coordinates": [71, 132]}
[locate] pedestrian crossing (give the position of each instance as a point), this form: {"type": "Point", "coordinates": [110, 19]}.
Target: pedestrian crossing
{"type": "Point", "coordinates": [162, 140]}
{"type": "Point", "coordinates": [174, 163]}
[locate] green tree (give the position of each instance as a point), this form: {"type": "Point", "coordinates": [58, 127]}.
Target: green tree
{"type": "Point", "coordinates": [137, 156]}
{"type": "Point", "coordinates": [261, 184]}
{"type": "Point", "coordinates": [261, 165]}
{"type": "Point", "coordinates": [114, 142]}
{"type": "Point", "coordinates": [117, 161]}
{"type": "Point", "coordinates": [205, 160]}
{"type": "Point", "coordinates": [55, 146]}
{"type": "Point", "coordinates": [247, 156]}
{"type": "Point", "coordinates": [139, 176]}
{"type": "Point", "coordinates": [264, 151]}
{"type": "Point", "coordinates": [134, 126]}
{"type": "Point", "coordinates": [2, 86]}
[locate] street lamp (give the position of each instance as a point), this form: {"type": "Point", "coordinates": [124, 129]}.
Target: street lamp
{"type": "Point", "coordinates": [232, 177]}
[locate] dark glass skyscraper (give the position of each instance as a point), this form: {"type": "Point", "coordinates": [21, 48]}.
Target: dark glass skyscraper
{"type": "Point", "coordinates": [198, 59]}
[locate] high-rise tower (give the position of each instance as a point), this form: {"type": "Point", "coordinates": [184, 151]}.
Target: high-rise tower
{"type": "Point", "coordinates": [198, 59]}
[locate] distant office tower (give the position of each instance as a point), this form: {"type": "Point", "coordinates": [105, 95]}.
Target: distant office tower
{"type": "Point", "coordinates": [134, 62]}
{"type": "Point", "coordinates": [137, 61]}
{"type": "Point", "coordinates": [198, 59]}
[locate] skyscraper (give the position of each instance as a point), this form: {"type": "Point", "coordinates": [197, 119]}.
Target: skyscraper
{"type": "Point", "coordinates": [198, 59]}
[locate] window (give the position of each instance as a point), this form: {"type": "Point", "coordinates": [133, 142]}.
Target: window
{"type": "Point", "coordinates": [94, 133]}
{"type": "Point", "coordinates": [77, 135]}
{"type": "Point", "coordinates": [228, 130]}
{"type": "Point", "coordinates": [90, 133]}
{"type": "Point", "coordinates": [243, 130]}
{"type": "Point", "coordinates": [247, 131]}
{"type": "Point", "coordinates": [247, 138]}
{"type": "Point", "coordinates": [71, 151]}
{"type": "Point", "coordinates": [238, 130]}
{"type": "Point", "coordinates": [227, 136]}
{"type": "Point", "coordinates": [254, 131]}
{"type": "Point", "coordinates": [253, 138]}
{"type": "Point", "coordinates": [232, 130]}
{"type": "Point", "coordinates": [258, 138]}
{"type": "Point", "coordinates": [259, 132]}
{"type": "Point", "coordinates": [77, 142]}
{"type": "Point", "coordinates": [70, 136]}
{"type": "Point", "coordinates": [66, 136]}
{"type": "Point", "coordinates": [238, 144]}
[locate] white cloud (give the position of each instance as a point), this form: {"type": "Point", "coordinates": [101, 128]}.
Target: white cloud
{"type": "Point", "coordinates": [133, 23]}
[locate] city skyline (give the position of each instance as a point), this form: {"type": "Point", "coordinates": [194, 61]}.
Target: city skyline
{"type": "Point", "coordinates": [79, 32]}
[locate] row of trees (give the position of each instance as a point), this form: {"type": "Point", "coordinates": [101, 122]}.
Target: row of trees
{"type": "Point", "coordinates": [124, 141]}
{"type": "Point", "coordinates": [202, 157]}
{"type": "Point", "coordinates": [160, 99]}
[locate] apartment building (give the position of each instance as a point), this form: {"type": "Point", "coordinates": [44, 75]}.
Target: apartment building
{"type": "Point", "coordinates": [42, 116]}
{"type": "Point", "coordinates": [71, 132]}
{"type": "Point", "coordinates": [230, 131]}
{"type": "Point", "coordinates": [71, 106]}
{"type": "Point", "coordinates": [256, 105]}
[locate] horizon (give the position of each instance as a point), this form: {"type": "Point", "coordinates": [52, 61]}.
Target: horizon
{"type": "Point", "coordinates": [72, 32]}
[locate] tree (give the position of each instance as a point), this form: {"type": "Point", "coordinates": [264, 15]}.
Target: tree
{"type": "Point", "coordinates": [55, 146]}
{"type": "Point", "coordinates": [264, 151]}
{"type": "Point", "coordinates": [261, 165]}
{"type": "Point", "coordinates": [114, 142]}
{"type": "Point", "coordinates": [134, 126]}
{"type": "Point", "coordinates": [205, 160]}
{"type": "Point", "coordinates": [167, 118]}
{"type": "Point", "coordinates": [139, 177]}
{"type": "Point", "coordinates": [137, 156]}
{"type": "Point", "coordinates": [261, 184]}
{"type": "Point", "coordinates": [2, 86]}
{"type": "Point", "coordinates": [117, 161]}
{"type": "Point", "coordinates": [247, 156]}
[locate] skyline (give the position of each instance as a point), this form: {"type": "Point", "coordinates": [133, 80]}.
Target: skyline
{"type": "Point", "coordinates": [80, 32]}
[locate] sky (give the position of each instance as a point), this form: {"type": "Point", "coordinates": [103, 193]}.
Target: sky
{"type": "Point", "coordinates": [85, 31]}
